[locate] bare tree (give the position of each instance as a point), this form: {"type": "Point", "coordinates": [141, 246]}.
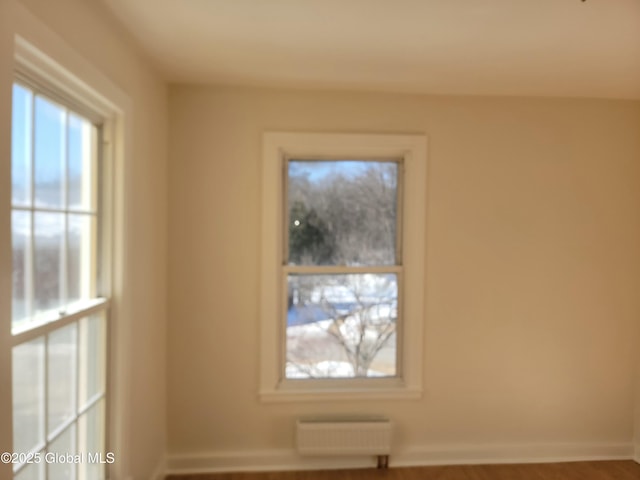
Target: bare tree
{"type": "Point", "coordinates": [353, 331]}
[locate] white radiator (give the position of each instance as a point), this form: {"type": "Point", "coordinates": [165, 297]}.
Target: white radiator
{"type": "Point", "coordinates": [345, 436]}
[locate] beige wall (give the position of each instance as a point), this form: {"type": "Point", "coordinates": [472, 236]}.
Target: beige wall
{"type": "Point", "coordinates": [89, 31]}
{"type": "Point", "coordinates": [532, 278]}
{"type": "Point", "coordinates": [533, 260]}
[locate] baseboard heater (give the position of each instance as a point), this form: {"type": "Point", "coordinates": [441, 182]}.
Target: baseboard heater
{"type": "Point", "coordinates": [352, 436]}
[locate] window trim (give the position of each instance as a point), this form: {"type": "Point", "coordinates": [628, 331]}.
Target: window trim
{"type": "Point", "coordinates": [412, 150]}
{"type": "Point", "coordinates": [41, 53]}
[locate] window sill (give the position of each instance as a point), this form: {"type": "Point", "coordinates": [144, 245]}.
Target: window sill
{"type": "Point", "coordinates": [292, 392]}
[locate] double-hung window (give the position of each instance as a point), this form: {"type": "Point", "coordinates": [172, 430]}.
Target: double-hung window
{"type": "Point", "coordinates": [342, 267]}
{"type": "Point", "coordinates": [343, 234]}
{"type": "Point", "coordinates": [59, 299]}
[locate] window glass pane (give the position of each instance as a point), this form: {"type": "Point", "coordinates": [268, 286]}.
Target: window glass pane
{"type": "Point", "coordinates": [92, 358]}
{"type": "Point", "coordinates": [21, 146]}
{"type": "Point", "coordinates": [34, 471]}
{"type": "Point", "coordinates": [50, 142]}
{"type": "Point", "coordinates": [64, 445]}
{"type": "Point", "coordinates": [342, 212]}
{"type": "Point", "coordinates": [28, 395]}
{"type": "Point", "coordinates": [21, 236]}
{"type": "Point", "coordinates": [62, 354]}
{"type": "Point", "coordinates": [49, 243]}
{"type": "Point", "coordinates": [80, 257]}
{"type": "Point", "coordinates": [81, 163]}
{"type": "Point", "coordinates": [91, 441]}
{"type": "Point", "coordinates": [341, 326]}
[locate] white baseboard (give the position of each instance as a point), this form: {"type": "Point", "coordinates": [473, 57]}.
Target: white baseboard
{"type": "Point", "coordinates": [257, 461]}
{"type": "Point", "coordinates": [284, 459]}
{"type": "Point", "coordinates": [500, 454]}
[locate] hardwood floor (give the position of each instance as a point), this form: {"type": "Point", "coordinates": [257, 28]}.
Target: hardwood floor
{"type": "Point", "coordinates": [606, 470]}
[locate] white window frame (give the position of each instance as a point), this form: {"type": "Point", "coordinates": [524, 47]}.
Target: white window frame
{"type": "Point", "coordinates": [412, 152]}
{"type": "Point", "coordinates": [43, 324]}
{"type": "Point", "coordinates": [42, 54]}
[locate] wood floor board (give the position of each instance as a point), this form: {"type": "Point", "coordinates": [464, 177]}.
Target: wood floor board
{"type": "Point", "coordinates": [603, 470]}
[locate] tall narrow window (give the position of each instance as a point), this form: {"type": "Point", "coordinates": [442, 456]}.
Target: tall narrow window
{"type": "Point", "coordinates": [59, 314]}
{"type": "Point", "coordinates": [342, 277]}
{"type": "Point", "coordinates": [343, 268]}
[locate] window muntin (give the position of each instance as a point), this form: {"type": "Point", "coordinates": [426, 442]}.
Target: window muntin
{"type": "Point", "coordinates": [342, 268]}
{"type": "Point", "coordinates": [59, 323]}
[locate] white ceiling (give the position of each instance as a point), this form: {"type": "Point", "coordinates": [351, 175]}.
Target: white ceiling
{"type": "Point", "coordinates": [486, 47]}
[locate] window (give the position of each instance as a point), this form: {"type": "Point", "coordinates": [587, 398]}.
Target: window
{"type": "Point", "coordinates": [342, 266]}
{"type": "Point", "coordinates": [59, 305]}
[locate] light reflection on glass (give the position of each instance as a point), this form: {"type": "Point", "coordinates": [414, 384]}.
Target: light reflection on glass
{"type": "Point", "coordinates": [49, 270]}
{"type": "Point", "coordinates": [21, 123]}
{"type": "Point", "coordinates": [50, 131]}
{"type": "Point", "coordinates": [28, 395]}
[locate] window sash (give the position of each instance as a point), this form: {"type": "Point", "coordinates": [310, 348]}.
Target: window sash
{"type": "Point", "coordinates": [36, 320]}
{"type": "Point", "coordinates": [51, 321]}
{"type": "Point", "coordinates": [78, 410]}
{"type": "Point", "coordinates": [336, 382]}
{"type": "Point", "coordinates": [320, 158]}
{"type": "Point", "coordinates": [43, 324]}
